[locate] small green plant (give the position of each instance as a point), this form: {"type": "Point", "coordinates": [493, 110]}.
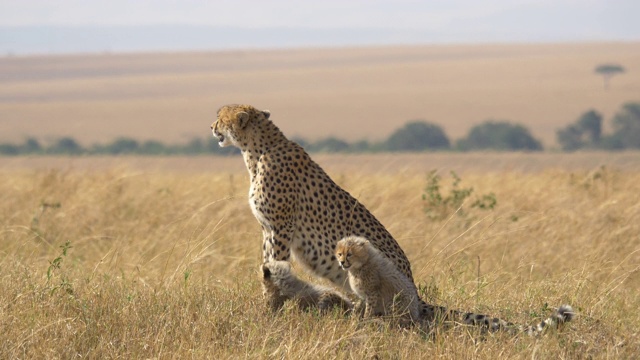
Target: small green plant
{"type": "Point", "coordinates": [439, 206]}
{"type": "Point", "coordinates": [485, 202]}
{"type": "Point", "coordinates": [429, 290]}
{"type": "Point", "coordinates": [56, 264]}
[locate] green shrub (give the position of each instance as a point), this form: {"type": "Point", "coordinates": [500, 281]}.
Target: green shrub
{"type": "Point", "coordinates": [439, 206]}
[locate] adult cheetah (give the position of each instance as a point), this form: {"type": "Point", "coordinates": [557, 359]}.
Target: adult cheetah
{"type": "Point", "coordinates": [303, 213]}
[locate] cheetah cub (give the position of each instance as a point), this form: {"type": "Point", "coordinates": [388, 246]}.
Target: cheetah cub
{"type": "Point", "coordinates": [377, 281]}
{"type": "Point", "coordinates": [280, 284]}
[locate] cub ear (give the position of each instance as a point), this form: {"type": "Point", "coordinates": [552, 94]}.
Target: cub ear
{"type": "Point", "coordinates": [266, 273]}
{"type": "Point", "coordinates": [266, 113]}
{"type": "Point", "coordinates": [243, 119]}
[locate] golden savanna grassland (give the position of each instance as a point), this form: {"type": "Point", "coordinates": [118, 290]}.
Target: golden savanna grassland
{"type": "Point", "coordinates": [352, 93]}
{"type": "Point", "coordinates": [128, 261]}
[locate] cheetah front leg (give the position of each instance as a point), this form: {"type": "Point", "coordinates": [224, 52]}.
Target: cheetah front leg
{"type": "Point", "coordinates": [275, 247]}
{"type": "Point", "coordinates": [276, 243]}
{"type": "Point", "coordinates": [276, 216]}
{"type": "Point", "coordinates": [370, 304]}
{"type": "Point", "coordinates": [358, 308]}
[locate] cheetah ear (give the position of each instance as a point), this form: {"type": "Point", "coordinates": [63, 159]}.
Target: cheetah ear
{"type": "Point", "coordinates": [243, 119]}
{"type": "Point", "coordinates": [266, 113]}
{"type": "Point", "coordinates": [266, 273]}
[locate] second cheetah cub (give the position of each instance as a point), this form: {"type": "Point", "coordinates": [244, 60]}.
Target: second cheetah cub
{"type": "Point", "coordinates": [280, 284]}
{"type": "Point", "coordinates": [376, 280]}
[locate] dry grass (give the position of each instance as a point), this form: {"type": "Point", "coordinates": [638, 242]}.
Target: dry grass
{"type": "Point", "coordinates": [162, 264]}
{"type": "Point", "coordinates": [354, 93]}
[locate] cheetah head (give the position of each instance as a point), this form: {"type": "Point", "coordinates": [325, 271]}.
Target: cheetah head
{"type": "Point", "coordinates": [233, 121]}
{"type": "Point", "coordinates": [351, 252]}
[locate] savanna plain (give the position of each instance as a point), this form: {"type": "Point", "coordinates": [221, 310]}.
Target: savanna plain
{"type": "Point", "coordinates": [351, 93]}
{"type": "Point", "coordinates": [138, 258]}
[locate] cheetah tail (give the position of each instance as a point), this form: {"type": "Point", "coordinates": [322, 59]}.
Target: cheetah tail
{"type": "Point", "coordinates": [563, 315]}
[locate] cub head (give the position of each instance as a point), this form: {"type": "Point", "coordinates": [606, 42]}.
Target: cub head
{"type": "Point", "coordinates": [233, 121]}
{"type": "Point", "coordinates": [351, 252]}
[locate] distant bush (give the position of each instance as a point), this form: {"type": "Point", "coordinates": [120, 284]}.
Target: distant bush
{"type": "Point", "coordinates": [499, 135]}
{"type": "Point", "coordinates": [329, 145]}
{"type": "Point", "coordinates": [418, 136]}
{"type": "Point", "coordinates": [591, 125]}
{"type": "Point", "coordinates": [153, 147]}
{"type": "Point", "coordinates": [9, 149]}
{"type": "Point", "coordinates": [195, 146]}
{"type": "Point", "coordinates": [586, 132]}
{"type": "Point", "coordinates": [66, 146]}
{"type": "Point", "coordinates": [570, 138]}
{"type": "Point", "coordinates": [31, 146]}
{"type": "Point", "coordinates": [361, 146]}
{"type": "Point", "coordinates": [626, 126]}
{"type": "Point", "coordinates": [123, 146]}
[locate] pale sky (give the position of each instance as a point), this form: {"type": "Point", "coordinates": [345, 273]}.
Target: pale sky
{"type": "Point", "coordinates": [432, 14]}
{"type": "Point", "coordinates": [252, 13]}
{"type": "Point", "coordinates": [408, 21]}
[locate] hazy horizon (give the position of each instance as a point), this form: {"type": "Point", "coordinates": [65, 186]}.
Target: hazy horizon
{"type": "Point", "coordinates": [98, 26]}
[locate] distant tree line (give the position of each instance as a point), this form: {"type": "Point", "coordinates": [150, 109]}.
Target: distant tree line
{"type": "Point", "coordinates": [120, 146]}
{"type": "Point", "coordinates": [586, 132]}
{"type": "Point", "coordinates": [415, 136]}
